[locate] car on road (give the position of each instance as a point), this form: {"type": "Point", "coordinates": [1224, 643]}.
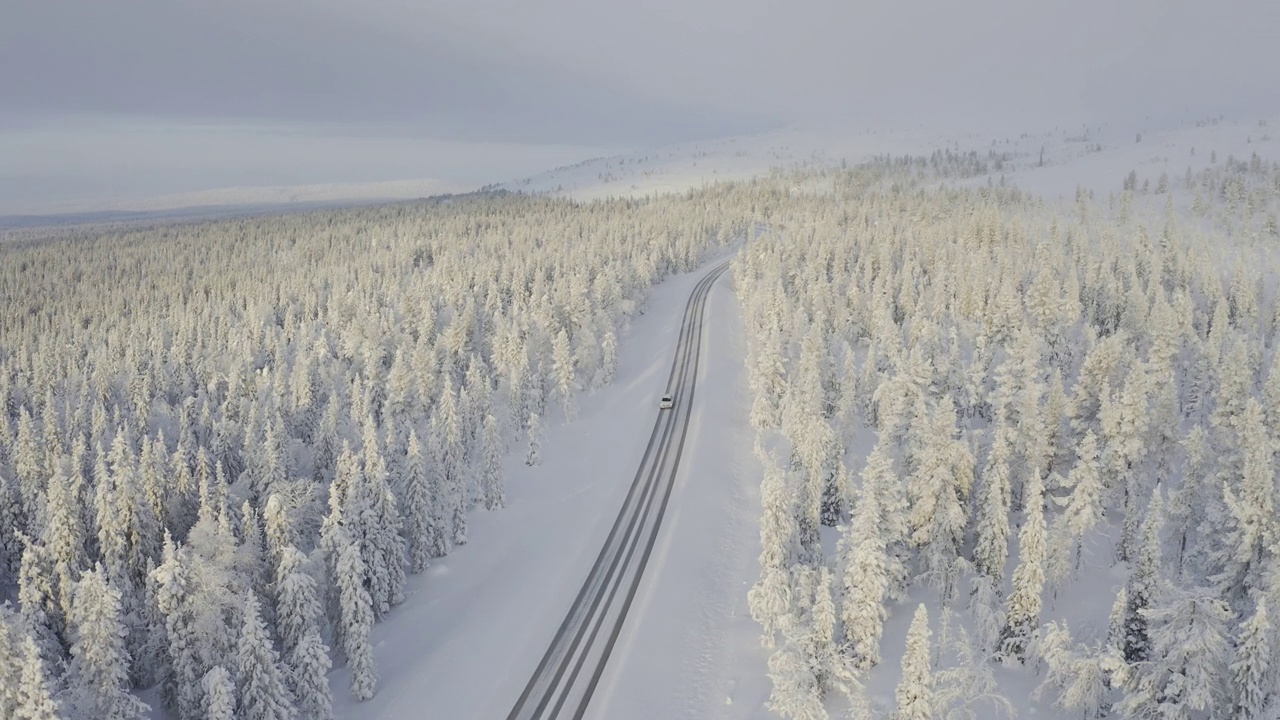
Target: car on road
{"type": "Point", "coordinates": [667, 402]}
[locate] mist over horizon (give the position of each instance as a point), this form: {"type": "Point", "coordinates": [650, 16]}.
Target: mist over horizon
{"type": "Point", "coordinates": [107, 103]}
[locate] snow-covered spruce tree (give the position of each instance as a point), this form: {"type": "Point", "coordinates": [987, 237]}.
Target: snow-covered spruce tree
{"type": "Point", "coordinates": [1083, 512]}
{"type": "Point", "coordinates": [418, 521]}
{"type": "Point", "coordinates": [1076, 675]}
{"type": "Point", "coordinates": [219, 694]}
{"type": "Point", "coordinates": [534, 433]}
{"type": "Point", "coordinates": [1255, 529]}
{"type": "Point", "coordinates": [608, 358]}
{"type": "Point", "coordinates": [1185, 675]}
{"type": "Point", "coordinates": [174, 583]}
{"type": "Point", "coordinates": [991, 551]}
{"type": "Point", "coordinates": [492, 482]}
{"type": "Point", "coordinates": [63, 534]}
{"type": "Point", "coordinates": [796, 692]}
{"type": "Point", "coordinates": [99, 678]}
{"type": "Point", "coordinates": [770, 598]}
{"type": "Point", "coordinates": [12, 522]}
{"type": "Point", "coordinates": [1144, 579]}
{"type": "Point", "coordinates": [357, 616]}
{"type": "Point", "coordinates": [1253, 677]}
{"type": "Point", "coordinates": [914, 694]}
{"type": "Point", "coordinates": [938, 488]}
{"type": "Point", "coordinates": [10, 660]}
{"type": "Point", "coordinates": [261, 689]}
{"type": "Point", "coordinates": [37, 607]}
{"type": "Point", "coordinates": [1022, 616]}
{"type": "Point", "coordinates": [33, 698]}
{"type": "Point", "coordinates": [860, 558]}
{"type": "Point", "coordinates": [831, 667]}
{"type": "Point", "coordinates": [891, 499]}
{"type": "Point", "coordinates": [375, 521]}
{"type": "Point", "coordinates": [298, 608]}
{"type": "Point", "coordinates": [449, 460]}
{"type": "Point", "coordinates": [564, 365]}
{"type": "Point", "coordinates": [310, 665]}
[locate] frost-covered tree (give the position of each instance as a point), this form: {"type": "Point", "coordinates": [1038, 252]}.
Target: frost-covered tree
{"type": "Point", "coordinates": [419, 521]}
{"type": "Point", "coordinates": [534, 433]}
{"type": "Point", "coordinates": [938, 488]}
{"type": "Point", "coordinates": [10, 660]}
{"type": "Point", "coordinates": [564, 366]}
{"type": "Point", "coordinates": [796, 692]}
{"type": "Point", "coordinates": [966, 688]}
{"type": "Point", "coordinates": [37, 605]}
{"type": "Point", "coordinates": [261, 689]}
{"type": "Point", "coordinates": [914, 694]}
{"type": "Point", "coordinates": [865, 582]}
{"type": "Point", "coordinates": [1256, 528]}
{"type": "Point", "coordinates": [33, 699]}
{"type": "Point", "coordinates": [1185, 676]}
{"type": "Point", "coordinates": [1022, 615]}
{"type": "Point", "coordinates": [770, 598]}
{"type": "Point", "coordinates": [991, 551]}
{"type": "Point", "coordinates": [879, 476]}
{"type": "Point", "coordinates": [99, 668]}
{"type": "Point", "coordinates": [1253, 681]}
{"type": "Point", "coordinates": [298, 609]}
{"type": "Point", "coordinates": [374, 521]}
{"type": "Point", "coordinates": [173, 579]}
{"type": "Point", "coordinates": [492, 482]}
{"type": "Point", "coordinates": [832, 669]}
{"type": "Point", "coordinates": [63, 535]}
{"type": "Point", "coordinates": [608, 358]}
{"type": "Point", "coordinates": [1083, 511]}
{"type": "Point", "coordinates": [219, 694]}
{"type": "Point", "coordinates": [1078, 676]}
{"type": "Point", "coordinates": [357, 617]}
{"type": "Point", "coordinates": [12, 522]}
{"type": "Point", "coordinates": [310, 665]}
{"type": "Point", "coordinates": [1144, 579]}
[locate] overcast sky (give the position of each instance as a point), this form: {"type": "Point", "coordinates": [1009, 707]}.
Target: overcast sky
{"type": "Point", "coordinates": [132, 97]}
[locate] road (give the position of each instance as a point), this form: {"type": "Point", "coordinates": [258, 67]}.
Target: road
{"type": "Point", "coordinates": [567, 676]}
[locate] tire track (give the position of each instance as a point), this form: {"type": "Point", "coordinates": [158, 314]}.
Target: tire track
{"type": "Point", "coordinates": [559, 686]}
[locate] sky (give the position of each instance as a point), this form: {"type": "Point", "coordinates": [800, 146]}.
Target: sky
{"type": "Point", "coordinates": [105, 101]}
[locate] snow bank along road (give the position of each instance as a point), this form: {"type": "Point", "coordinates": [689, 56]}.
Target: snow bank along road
{"type": "Point", "coordinates": [570, 670]}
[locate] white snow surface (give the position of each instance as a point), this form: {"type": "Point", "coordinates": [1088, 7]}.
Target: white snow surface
{"type": "Point", "coordinates": [1094, 156]}
{"type": "Point", "coordinates": [475, 624]}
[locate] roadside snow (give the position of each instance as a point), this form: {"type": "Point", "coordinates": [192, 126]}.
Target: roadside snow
{"type": "Point", "coordinates": [476, 623]}
{"type": "Point", "coordinates": [690, 648]}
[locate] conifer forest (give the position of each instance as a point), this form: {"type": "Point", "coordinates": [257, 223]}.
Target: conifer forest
{"type": "Point", "coordinates": [1040, 436]}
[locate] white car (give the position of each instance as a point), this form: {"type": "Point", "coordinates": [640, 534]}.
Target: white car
{"type": "Point", "coordinates": [667, 402]}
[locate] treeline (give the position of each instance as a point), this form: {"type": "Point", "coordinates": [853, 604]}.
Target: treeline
{"type": "Point", "coordinates": [223, 445]}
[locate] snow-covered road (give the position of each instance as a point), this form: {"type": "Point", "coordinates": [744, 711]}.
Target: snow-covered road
{"type": "Point", "coordinates": [571, 669]}
{"type": "Point", "coordinates": [475, 625]}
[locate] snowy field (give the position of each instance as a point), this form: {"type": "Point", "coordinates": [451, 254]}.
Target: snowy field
{"type": "Point", "coordinates": [1092, 156]}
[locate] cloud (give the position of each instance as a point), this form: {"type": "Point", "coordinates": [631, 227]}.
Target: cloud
{"type": "Point", "coordinates": [296, 62]}
{"type": "Point", "coordinates": [582, 73]}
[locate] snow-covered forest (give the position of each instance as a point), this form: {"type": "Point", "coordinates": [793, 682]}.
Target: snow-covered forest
{"type": "Point", "coordinates": [223, 445]}
{"type": "Point", "coordinates": [1046, 434]}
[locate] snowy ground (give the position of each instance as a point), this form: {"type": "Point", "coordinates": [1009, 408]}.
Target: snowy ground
{"type": "Point", "coordinates": [690, 648]}
{"type": "Point", "coordinates": [1093, 156]}
{"type": "Point", "coordinates": [476, 623]}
